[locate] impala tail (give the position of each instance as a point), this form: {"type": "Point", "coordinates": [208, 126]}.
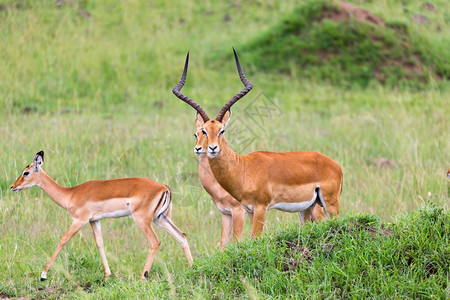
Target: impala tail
{"type": "Point", "coordinates": [163, 214]}
{"type": "Point", "coordinates": [163, 220]}
{"type": "Point", "coordinates": [164, 206]}
{"type": "Point", "coordinates": [320, 201]}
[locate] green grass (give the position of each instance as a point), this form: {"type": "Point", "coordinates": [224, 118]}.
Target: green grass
{"type": "Point", "coordinates": [94, 94]}
{"type": "Point", "coordinates": [354, 257]}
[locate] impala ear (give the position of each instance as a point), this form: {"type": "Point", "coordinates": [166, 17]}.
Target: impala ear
{"type": "Point", "coordinates": [226, 118]}
{"type": "Point", "coordinates": [38, 160]}
{"type": "Point", "coordinates": [199, 121]}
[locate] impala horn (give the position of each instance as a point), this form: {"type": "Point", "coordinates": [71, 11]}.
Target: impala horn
{"type": "Point", "coordinates": [248, 87]}
{"type": "Point", "coordinates": [176, 90]}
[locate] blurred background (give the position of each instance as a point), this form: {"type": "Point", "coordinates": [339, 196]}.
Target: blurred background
{"type": "Point", "coordinates": [90, 83]}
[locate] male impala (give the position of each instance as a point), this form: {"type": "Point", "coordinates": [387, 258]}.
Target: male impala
{"type": "Point", "coordinates": [231, 209]}
{"type": "Point", "coordinates": [232, 212]}
{"type": "Point", "coordinates": [290, 181]}
{"type": "Point", "coordinates": [143, 199]}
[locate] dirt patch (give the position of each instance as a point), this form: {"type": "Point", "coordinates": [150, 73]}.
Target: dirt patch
{"type": "Point", "coordinates": [304, 251]}
{"type": "Point", "coordinates": [67, 3]}
{"type": "Point", "coordinates": [429, 6]}
{"type": "Point", "coordinates": [291, 265]}
{"type": "Point", "coordinates": [382, 162]}
{"type": "Point", "coordinates": [347, 10]}
{"type": "Point", "coordinates": [430, 269]}
{"type": "Point", "coordinates": [14, 5]}
{"type": "Point", "coordinates": [84, 14]}
{"type": "Point", "coordinates": [87, 287]}
{"type": "Point", "coordinates": [28, 110]}
{"type": "Point", "coordinates": [295, 261]}
{"type": "Point", "coordinates": [354, 227]}
{"type": "Point", "coordinates": [326, 54]}
{"type": "Point", "coordinates": [5, 296]}
{"type": "Point", "coordinates": [383, 230]}
{"type": "Point", "coordinates": [414, 67]}
{"type": "Point", "coordinates": [53, 291]}
{"type": "Point", "coordinates": [420, 19]}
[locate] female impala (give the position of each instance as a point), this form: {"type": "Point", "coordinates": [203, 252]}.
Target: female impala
{"type": "Point", "coordinates": [290, 181]}
{"type": "Point", "coordinates": [141, 198]}
{"type": "Point", "coordinates": [232, 212]}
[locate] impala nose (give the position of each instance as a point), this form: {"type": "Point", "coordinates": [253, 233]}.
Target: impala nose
{"type": "Point", "coordinates": [197, 149]}
{"type": "Point", "coordinates": [213, 148]}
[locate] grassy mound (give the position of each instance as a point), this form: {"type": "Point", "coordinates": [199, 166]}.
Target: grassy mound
{"type": "Point", "coordinates": [353, 257]}
{"type": "Point", "coordinates": [345, 44]}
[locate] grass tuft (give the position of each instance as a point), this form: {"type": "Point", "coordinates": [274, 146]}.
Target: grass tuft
{"type": "Point", "coordinates": [321, 40]}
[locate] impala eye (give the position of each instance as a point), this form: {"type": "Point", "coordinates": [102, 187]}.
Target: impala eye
{"type": "Point", "coordinates": [195, 135]}
{"type": "Point", "coordinates": [26, 173]}
{"type": "Point", "coordinates": [204, 132]}
{"type": "Point", "coordinates": [221, 131]}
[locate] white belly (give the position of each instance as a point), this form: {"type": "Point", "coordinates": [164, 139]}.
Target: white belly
{"type": "Point", "coordinates": [293, 206]}
{"type": "Point", "coordinates": [248, 208]}
{"type": "Point", "coordinates": [224, 210]}
{"type": "Point", "coordinates": [114, 214]}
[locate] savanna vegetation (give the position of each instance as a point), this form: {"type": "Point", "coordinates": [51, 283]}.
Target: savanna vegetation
{"type": "Point", "coordinates": [90, 84]}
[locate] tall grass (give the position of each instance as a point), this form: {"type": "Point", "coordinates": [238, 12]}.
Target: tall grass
{"type": "Point", "coordinates": [94, 94]}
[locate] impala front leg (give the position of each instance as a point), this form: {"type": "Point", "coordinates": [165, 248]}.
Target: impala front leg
{"type": "Point", "coordinates": [74, 228]}
{"type": "Point", "coordinates": [99, 241]}
{"type": "Point", "coordinates": [238, 222]}
{"type": "Point", "coordinates": [227, 226]}
{"type": "Point", "coordinates": [259, 217]}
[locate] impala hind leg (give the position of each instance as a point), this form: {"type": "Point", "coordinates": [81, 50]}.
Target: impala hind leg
{"type": "Point", "coordinates": [145, 225]}
{"type": "Point", "coordinates": [250, 216]}
{"type": "Point", "coordinates": [164, 222]}
{"type": "Point", "coordinates": [99, 241]}
{"type": "Point", "coordinates": [307, 214]}
{"type": "Point", "coordinates": [227, 226]}
{"type": "Point", "coordinates": [73, 229]}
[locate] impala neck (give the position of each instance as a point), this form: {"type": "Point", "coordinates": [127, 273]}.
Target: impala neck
{"type": "Point", "coordinates": [203, 165]}
{"type": "Point", "coordinates": [228, 170]}
{"type": "Point", "coordinates": [58, 193]}
{"type": "Point", "coordinates": [206, 176]}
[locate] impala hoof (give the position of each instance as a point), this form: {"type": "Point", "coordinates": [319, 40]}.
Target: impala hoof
{"type": "Point", "coordinates": [44, 276]}
{"type": "Point", "coordinates": [146, 274]}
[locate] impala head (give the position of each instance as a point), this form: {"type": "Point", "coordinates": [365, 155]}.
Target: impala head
{"type": "Point", "coordinates": [30, 175]}
{"type": "Point", "coordinates": [201, 145]}
{"type": "Point", "coordinates": [210, 133]}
